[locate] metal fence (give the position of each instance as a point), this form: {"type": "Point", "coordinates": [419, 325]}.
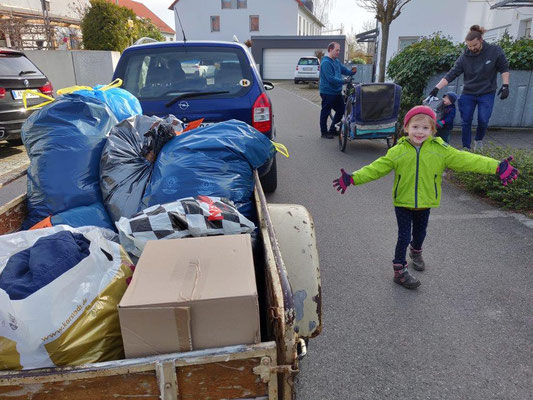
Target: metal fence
{"type": "Point", "coordinates": [363, 74]}
{"type": "Point", "coordinates": [515, 111]}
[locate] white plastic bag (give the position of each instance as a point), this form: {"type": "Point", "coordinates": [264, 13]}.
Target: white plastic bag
{"type": "Point", "coordinates": [72, 320]}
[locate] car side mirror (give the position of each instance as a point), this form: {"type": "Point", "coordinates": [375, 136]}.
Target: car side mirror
{"type": "Point", "coordinates": [268, 85]}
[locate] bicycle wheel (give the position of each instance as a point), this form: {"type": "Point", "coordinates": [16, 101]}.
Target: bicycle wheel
{"type": "Point", "coordinates": [345, 128]}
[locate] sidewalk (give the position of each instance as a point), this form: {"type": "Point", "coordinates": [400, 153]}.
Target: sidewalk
{"type": "Point", "coordinates": [516, 138]}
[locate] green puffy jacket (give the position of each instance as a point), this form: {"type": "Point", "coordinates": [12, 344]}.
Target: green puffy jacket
{"type": "Point", "coordinates": [418, 175]}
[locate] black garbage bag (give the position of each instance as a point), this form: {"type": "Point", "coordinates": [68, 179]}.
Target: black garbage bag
{"type": "Point", "coordinates": [127, 161]}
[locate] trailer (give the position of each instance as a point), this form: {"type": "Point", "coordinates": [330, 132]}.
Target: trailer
{"type": "Point", "coordinates": [291, 297]}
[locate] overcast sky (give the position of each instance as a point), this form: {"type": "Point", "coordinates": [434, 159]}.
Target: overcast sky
{"type": "Point", "coordinates": [345, 12]}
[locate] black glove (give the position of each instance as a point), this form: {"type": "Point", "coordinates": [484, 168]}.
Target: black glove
{"type": "Point", "coordinates": [434, 92]}
{"type": "Point", "coordinates": [504, 91]}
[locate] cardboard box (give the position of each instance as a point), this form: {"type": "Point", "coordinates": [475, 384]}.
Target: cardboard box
{"type": "Point", "coordinates": [191, 294]}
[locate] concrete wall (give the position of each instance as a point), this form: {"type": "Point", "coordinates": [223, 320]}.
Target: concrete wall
{"type": "Point", "coordinates": [78, 67]}
{"type": "Point", "coordinates": [515, 111]}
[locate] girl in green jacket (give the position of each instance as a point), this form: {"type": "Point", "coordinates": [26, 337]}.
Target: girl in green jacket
{"type": "Point", "coordinates": [418, 161]}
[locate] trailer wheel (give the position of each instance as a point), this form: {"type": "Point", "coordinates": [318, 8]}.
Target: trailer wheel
{"type": "Point", "coordinates": [270, 180]}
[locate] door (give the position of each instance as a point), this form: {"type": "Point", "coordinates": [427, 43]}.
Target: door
{"type": "Point", "coordinates": [281, 63]}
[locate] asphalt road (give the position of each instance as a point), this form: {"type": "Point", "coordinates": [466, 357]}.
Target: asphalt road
{"type": "Point", "coordinates": [466, 333]}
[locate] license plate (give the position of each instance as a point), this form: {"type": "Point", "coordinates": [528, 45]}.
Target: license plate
{"type": "Point", "coordinates": [17, 95]}
{"type": "Point", "coordinates": [308, 68]}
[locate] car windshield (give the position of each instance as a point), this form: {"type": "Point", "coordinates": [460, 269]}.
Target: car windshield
{"type": "Point", "coordinates": [14, 64]}
{"type": "Point", "coordinates": [308, 61]}
{"type": "Point", "coordinates": [168, 72]}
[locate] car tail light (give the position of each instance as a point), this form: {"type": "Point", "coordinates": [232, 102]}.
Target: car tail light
{"type": "Point", "coordinates": [2, 92]}
{"type": "Point", "coordinates": [47, 89]}
{"type": "Point", "coordinates": [319, 67]}
{"type": "Point", "coordinates": [296, 68]}
{"type": "Point", "coordinates": [262, 114]}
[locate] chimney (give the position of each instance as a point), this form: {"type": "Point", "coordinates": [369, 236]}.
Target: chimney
{"type": "Point", "coordinates": [309, 4]}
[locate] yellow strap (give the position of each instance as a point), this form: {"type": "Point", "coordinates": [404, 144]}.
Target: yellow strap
{"type": "Point", "coordinates": [281, 148]}
{"type": "Point", "coordinates": [37, 106]}
{"type": "Point", "coordinates": [72, 89]}
{"type": "Point", "coordinates": [115, 84]}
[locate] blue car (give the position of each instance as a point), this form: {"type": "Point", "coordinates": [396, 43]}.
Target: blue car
{"type": "Point", "coordinates": [216, 81]}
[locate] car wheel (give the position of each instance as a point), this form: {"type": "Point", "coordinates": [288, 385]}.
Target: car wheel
{"type": "Point", "coordinates": [15, 142]}
{"type": "Point", "coordinates": [270, 180]}
{"type": "Point", "coordinates": [296, 81]}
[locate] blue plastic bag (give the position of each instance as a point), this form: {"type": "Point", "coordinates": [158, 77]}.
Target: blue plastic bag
{"type": "Point", "coordinates": [217, 160]}
{"type": "Point", "coordinates": [120, 101]}
{"type": "Point", "coordinates": [93, 215]}
{"type": "Point", "coordinates": [64, 141]}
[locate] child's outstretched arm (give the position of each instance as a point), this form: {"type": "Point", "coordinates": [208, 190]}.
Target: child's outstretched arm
{"type": "Point", "coordinates": [465, 161]}
{"type": "Point", "coordinates": [379, 168]}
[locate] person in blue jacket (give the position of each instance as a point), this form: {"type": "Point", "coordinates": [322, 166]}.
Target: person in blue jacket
{"type": "Point", "coordinates": [445, 125]}
{"type": "Point", "coordinates": [330, 86]}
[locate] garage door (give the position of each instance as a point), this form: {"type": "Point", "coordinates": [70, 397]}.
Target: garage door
{"type": "Point", "coordinates": [281, 63]}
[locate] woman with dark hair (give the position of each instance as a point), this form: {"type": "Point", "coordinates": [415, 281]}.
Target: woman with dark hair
{"type": "Point", "coordinates": [480, 64]}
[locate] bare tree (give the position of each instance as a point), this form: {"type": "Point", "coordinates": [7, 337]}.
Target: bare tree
{"type": "Point", "coordinates": [321, 9]}
{"type": "Point", "coordinates": [386, 11]}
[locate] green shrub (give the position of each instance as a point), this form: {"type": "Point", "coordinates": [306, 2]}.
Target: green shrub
{"type": "Point", "coordinates": [518, 195]}
{"type": "Point", "coordinates": [105, 27]}
{"type": "Point", "coordinates": [358, 60]}
{"type": "Point", "coordinates": [414, 65]}
{"type": "Point", "coordinates": [518, 52]}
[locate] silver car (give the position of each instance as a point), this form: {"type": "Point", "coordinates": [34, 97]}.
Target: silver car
{"type": "Point", "coordinates": [307, 70]}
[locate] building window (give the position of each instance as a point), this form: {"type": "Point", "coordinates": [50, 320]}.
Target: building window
{"type": "Point", "coordinates": [234, 4]}
{"type": "Point", "coordinates": [404, 41]}
{"type": "Point", "coordinates": [215, 23]}
{"type": "Point", "coordinates": [525, 27]}
{"type": "Point", "coordinates": [254, 23]}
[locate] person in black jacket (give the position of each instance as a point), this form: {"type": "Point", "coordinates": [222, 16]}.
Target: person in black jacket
{"type": "Point", "coordinates": [480, 64]}
{"type": "Point", "coordinates": [445, 125]}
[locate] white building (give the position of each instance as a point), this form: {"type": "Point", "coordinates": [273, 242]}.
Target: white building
{"type": "Point", "coordinates": [453, 18]}
{"type": "Point", "coordinates": [224, 19]}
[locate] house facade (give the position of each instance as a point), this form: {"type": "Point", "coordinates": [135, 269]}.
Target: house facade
{"type": "Point", "coordinates": [453, 18]}
{"type": "Point", "coordinates": [25, 25]}
{"type": "Point", "coordinates": [227, 19]}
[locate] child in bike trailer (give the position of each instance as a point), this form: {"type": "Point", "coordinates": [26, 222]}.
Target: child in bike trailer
{"type": "Point", "coordinates": [418, 160]}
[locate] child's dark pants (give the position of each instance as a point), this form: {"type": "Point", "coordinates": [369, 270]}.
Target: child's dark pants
{"type": "Point", "coordinates": [444, 134]}
{"type": "Point", "coordinates": [406, 218]}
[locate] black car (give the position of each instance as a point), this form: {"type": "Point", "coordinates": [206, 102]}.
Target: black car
{"type": "Point", "coordinates": [18, 73]}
